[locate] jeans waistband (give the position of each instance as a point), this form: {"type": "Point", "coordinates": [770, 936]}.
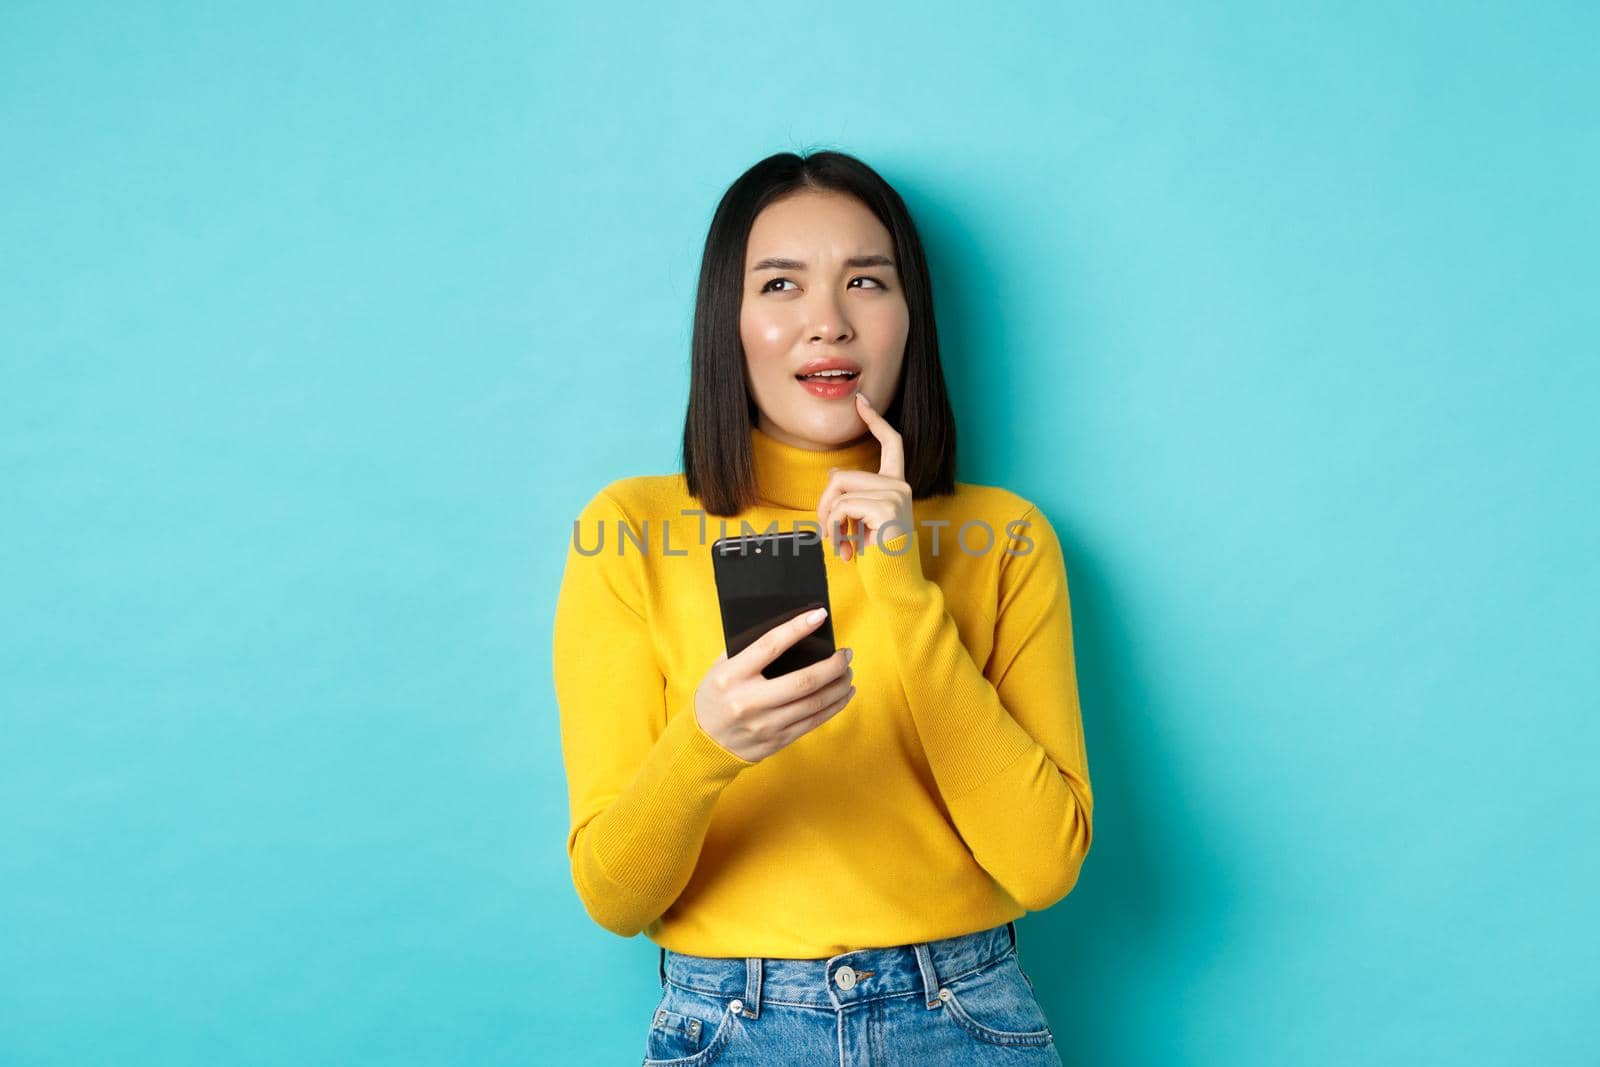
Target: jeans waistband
{"type": "Point", "coordinates": [847, 978]}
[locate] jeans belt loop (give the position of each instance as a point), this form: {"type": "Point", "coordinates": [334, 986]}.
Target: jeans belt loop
{"type": "Point", "coordinates": [752, 987]}
{"type": "Point", "coordinates": [930, 977]}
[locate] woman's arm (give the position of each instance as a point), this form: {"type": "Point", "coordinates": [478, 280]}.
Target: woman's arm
{"type": "Point", "coordinates": [641, 789]}
{"type": "Point", "coordinates": [1005, 742]}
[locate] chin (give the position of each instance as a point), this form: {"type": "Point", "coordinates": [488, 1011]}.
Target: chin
{"type": "Point", "coordinates": [822, 431]}
{"type": "Point", "coordinates": [833, 430]}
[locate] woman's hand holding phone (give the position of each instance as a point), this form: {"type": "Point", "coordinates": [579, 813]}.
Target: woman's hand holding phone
{"type": "Point", "coordinates": [754, 716]}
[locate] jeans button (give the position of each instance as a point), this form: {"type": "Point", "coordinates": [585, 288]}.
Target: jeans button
{"type": "Point", "coordinates": [846, 977]}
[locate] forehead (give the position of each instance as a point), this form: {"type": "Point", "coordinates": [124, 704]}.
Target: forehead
{"type": "Point", "coordinates": [817, 226]}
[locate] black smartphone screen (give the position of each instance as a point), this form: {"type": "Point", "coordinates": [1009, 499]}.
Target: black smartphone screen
{"type": "Point", "coordinates": [767, 579]}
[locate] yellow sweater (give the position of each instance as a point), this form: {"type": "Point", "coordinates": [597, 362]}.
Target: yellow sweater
{"type": "Point", "coordinates": [950, 795]}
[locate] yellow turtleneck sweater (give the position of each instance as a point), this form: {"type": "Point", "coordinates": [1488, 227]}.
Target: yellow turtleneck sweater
{"type": "Point", "coordinates": [950, 795]}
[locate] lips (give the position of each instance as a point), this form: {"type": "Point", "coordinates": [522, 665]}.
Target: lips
{"type": "Point", "coordinates": [835, 363]}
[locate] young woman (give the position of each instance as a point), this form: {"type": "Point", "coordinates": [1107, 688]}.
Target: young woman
{"type": "Point", "coordinates": [830, 860]}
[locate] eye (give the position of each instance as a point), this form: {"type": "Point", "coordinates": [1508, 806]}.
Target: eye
{"type": "Point", "coordinates": [767, 288]}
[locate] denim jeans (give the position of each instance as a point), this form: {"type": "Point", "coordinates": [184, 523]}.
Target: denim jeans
{"type": "Point", "coordinates": [959, 1001]}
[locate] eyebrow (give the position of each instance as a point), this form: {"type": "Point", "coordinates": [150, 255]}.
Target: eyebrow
{"type": "Point", "coordinates": [779, 263]}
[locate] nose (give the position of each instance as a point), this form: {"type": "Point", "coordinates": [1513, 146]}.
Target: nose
{"type": "Point", "coordinates": [828, 319]}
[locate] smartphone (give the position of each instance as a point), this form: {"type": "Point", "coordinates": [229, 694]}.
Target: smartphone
{"type": "Point", "coordinates": [767, 579]}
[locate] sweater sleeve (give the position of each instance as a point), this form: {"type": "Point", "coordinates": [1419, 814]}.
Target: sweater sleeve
{"type": "Point", "coordinates": [1005, 742]}
{"type": "Point", "coordinates": [641, 787]}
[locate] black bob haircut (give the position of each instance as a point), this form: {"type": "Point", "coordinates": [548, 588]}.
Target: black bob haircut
{"type": "Point", "coordinates": [717, 462]}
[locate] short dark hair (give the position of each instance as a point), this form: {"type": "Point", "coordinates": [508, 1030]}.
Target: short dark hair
{"type": "Point", "coordinates": [717, 461]}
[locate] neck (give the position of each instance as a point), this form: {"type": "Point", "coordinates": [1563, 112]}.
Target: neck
{"type": "Point", "coordinates": [794, 477]}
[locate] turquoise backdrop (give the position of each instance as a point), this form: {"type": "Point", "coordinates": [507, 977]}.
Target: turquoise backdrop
{"type": "Point", "coordinates": [318, 323]}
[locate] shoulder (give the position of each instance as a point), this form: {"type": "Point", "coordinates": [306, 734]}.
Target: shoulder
{"type": "Point", "coordinates": [642, 496]}
{"type": "Point", "coordinates": [1018, 522]}
{"type": "Point", "coordinates": [991, 503]}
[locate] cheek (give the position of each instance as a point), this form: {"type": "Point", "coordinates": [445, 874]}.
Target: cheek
{"type": "Point", "coordinates": [765, 348]}
{"type": "Point", "coordinates": [763, 332]}
{"type": "Point", "coordinates": [888, 322]}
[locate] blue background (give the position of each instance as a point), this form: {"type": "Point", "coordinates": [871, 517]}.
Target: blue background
{"type": "Point", "coordinates": [320, 322]}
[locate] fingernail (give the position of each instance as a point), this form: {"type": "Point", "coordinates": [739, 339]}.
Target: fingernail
{"type": "Point", "coordinates": [817, 616]}
{"type": "Point", "coordinates": [849, 654]}
{"type": "Point", "coordinates": [864, 399]}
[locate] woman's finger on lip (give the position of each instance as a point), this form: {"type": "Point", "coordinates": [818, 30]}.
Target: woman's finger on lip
{"type": "Point", "coordinates": [892, 458]}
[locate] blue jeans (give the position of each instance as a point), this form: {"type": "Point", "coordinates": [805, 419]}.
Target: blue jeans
{"type": "Point", "coordinates": [962, 1001]}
